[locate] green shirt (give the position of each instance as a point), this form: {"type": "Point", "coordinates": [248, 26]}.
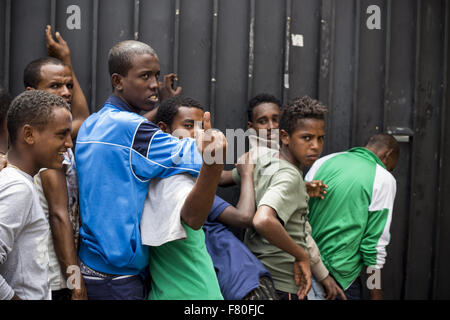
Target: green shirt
{"type": "Point", "coordinates": [351, 225]}
{"type": "Point", "coordinates": [183, 270]}
{"type": "Point", "coordinates": [279, 185]}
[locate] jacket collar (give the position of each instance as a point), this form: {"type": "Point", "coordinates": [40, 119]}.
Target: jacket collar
{"type": "Point", "coordinates": [119, 103]}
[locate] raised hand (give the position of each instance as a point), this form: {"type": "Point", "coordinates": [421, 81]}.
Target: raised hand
{"type": "Point", "coordinates": [166, 87]}
{"type": "Point", "coordinates": [57, 49]}
{"type": "Point", "coordinates": [212, 144]}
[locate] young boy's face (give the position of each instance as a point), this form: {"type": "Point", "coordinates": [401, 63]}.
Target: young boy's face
{"type": "Point", "coordinates": [52, 141]}
{"type": "Point", "coordinates": [184, 122]}
{"type": "Point", "coordinates": [265, 116]}
{"type": "Point", "coordinates": [139, 88]}
{"type": "Point", "coordinates": [306, 142]}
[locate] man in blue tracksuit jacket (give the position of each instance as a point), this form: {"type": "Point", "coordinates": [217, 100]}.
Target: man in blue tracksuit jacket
{"type": "Point", "coordinates": [117, 152]}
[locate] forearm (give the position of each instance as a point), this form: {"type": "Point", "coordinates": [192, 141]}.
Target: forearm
{"type": "Point", "coordinates": [272, 230]}
{"type": "Point", "coordinates": [63, 241]}
{"type": "Point", "coordinates": [80, 110]}
{"type": "Point", "coordinates": [198, 203]}
{"type": "Point", "coordinates": [226, 179]}
{"type": "Point", "coordinates": [246, 203]}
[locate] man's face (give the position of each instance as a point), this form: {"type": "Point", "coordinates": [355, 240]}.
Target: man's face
{"type": "Point", "coordinates": [57, 79]}
{"type": "Point", "coordinates": [52, 141]}
{"type": "Point", "coordinates": [185, 121]}
{"type": "Point", "coordinates": [265, 116]}
{"type": "Point", "coordinates": [306, 142]}
{"type": "Point", "coordinates": [139, 88]}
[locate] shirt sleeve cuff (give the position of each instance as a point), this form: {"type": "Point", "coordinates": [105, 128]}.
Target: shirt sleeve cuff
{"type": "Point", "coordinates": [319, 271]}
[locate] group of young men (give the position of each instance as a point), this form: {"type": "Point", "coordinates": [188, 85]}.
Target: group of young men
{"type": "Point", "coordinates": [133, 210]}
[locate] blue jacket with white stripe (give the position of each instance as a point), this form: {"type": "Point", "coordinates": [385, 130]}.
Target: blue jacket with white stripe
{"type": "Point", "coordinates": [117, 153]}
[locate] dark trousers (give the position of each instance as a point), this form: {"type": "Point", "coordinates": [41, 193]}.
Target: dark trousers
{"type": "Point", "coordinates": [355, 291]}
{"type": "Point", "coordinates": [131, 288]}
{"type": "Point", "coordinates": [62, 295]}
{"type": "Point", "coordinates": [288, 296]}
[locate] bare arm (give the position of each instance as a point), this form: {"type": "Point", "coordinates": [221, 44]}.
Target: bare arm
{"type": "Point", "coordinates": [55, 191]}
{"type": "Point", "coordinates": [199, 201]}
{"type": "Point", "coordinates": [242, 215]}
{"type": "Point", "coordinates": [267, 224]}
{"type": "Point", "coordinates": [60, 49]}
{"type": "Point", "coordinates": [226, 179]}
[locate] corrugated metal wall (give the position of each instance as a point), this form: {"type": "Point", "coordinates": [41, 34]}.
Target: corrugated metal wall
{"type": "Point", "coordinates": [395, 77]}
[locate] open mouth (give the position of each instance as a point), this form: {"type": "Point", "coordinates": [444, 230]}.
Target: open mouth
{"type": "Point", "coordinates": [154, 97]}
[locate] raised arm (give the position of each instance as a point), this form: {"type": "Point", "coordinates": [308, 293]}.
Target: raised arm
{"type": "Point", "coordinates": [200, 200]}
{"type": "Point", "coordinates": [242, 215]}
{"type": "Point", "coordinates": [59, 49]}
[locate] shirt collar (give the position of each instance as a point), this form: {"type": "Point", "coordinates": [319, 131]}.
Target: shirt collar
{"type": "Point", "coordinates": [119, 103]}
{"type": "Point", "coordinates": [368, 154]}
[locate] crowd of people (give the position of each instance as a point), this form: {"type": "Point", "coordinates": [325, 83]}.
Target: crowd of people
{"type": "Point", "coordinates": [121, 204]}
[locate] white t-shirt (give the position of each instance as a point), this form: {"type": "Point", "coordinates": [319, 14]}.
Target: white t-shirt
{"type": "Point", "coordinates": [161, 220]}
{"type": "Point", "coordinates": [23, 239]}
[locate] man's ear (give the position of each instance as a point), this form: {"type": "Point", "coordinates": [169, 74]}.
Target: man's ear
{"type": "Point", "coordinates": [284, 137]}
{"type": "Point", "coordinates": [249, 124]}
{"type": "Point", "coordinates": [116, 80]}
{"type": "Point", "coordinates": [29, 88]}
{"type": "Point", "coordinates": [164, 127]}
{"type": "Point", "coordinates": [28, 134]}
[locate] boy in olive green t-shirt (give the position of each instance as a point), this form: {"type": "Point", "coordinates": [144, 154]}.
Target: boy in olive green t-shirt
{"type": "Point", "coordinates": [278, 236]}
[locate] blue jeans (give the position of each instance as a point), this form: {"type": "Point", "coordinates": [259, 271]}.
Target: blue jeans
{"type": "Point", "coordinates": [130, 288]}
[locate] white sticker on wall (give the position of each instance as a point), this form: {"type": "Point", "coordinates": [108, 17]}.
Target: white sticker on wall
{"type": "Point", "coordinates": [297, 40]}
{"type": "Point", "coordinates": [74, 20]}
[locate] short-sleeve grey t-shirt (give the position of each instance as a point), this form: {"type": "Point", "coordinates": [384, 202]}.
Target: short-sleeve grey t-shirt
{"type": "Point", "coordinates": [279, 185]}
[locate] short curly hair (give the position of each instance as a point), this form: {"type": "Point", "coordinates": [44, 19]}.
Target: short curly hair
{"type": "Point", "coordinates": [168, 109]}
{"type": "Point", "coordinates": [300, 108]}
{"type": "Point", "coordinates": [257, 100]}
{"type": "Point", "coordinates": [33, 107]}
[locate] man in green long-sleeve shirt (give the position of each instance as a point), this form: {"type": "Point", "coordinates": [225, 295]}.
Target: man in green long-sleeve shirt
{"type": "Point", "coordinates": [351, 225]}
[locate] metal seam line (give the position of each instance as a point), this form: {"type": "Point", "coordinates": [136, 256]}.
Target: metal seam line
{"type": "Point", "coordinates": [95, 5]}
{"type": "Point", "coordinates": [215, 23]}
{"type": "Point", "coordinates": [251, 49]}
{"type": "Point", "coordinates": [136, 20]}
{"type": "Point", "coordinates": [287, 46]}
{"type": "Point", "coordinates": [7, 45]}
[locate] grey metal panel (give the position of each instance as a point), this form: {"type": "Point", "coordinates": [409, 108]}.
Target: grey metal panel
{"type": "Point", "coordinates": [4, 43]}
{"type": "Point", "coordinates": [340, 105]}
{"type": "Point", "coordinates": [399, 94]}
{"type": "Point", "coordinates": [370, 85]}
{"type": "Point", "coordinates": [79, 40]}
{"type": "Point", "coordinates": [28, 21]}
{"type": "Point", "coordinates": [196, 18]}
{"type": "Point", "coordinates": [303, 61]}
{"type": "Point", "coordinates": [156, 28]}
{"type": "Point", "coordinates": [442, 258]}
{"type": "Point", "coordinates": [269, 47]}
{"type": "Point", "coordinates": [425, 149]}
{"type": "Point", "coordinates": [232, 66]}
{"type": "Point", "coordinates": [400, 74]}
{"type": "Point", "coordinates": [115, 24]}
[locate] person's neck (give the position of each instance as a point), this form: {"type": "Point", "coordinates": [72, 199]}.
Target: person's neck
{"type": "Point", "coordinates": [286, 155]}
{"type": "Point", "coordinates": [25, 164]}
{"type": "Point", "coordinates": [118, 95]}
{"type": "Point", "coordinates": [3, 146]}
{"type": "Point", "coordinates": [3, 140]}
